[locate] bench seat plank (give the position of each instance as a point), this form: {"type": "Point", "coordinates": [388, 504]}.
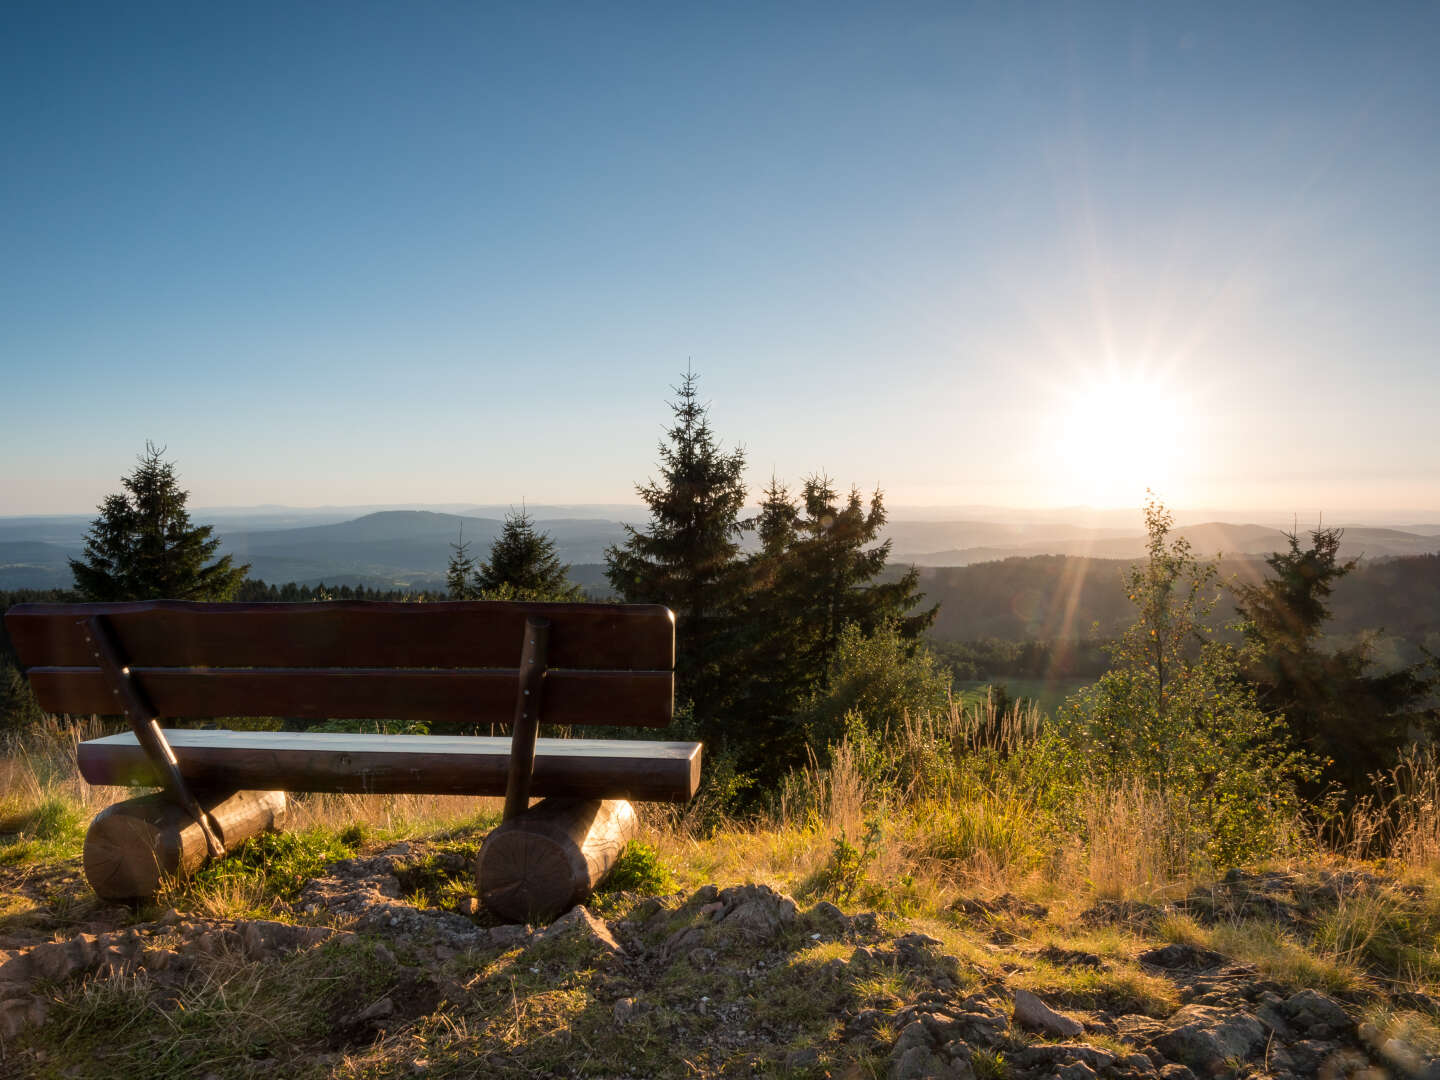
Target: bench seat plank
{"type": "Point", "coordinates": [435, 696]}
{"type": "Point", "coordinates": [388, 764]}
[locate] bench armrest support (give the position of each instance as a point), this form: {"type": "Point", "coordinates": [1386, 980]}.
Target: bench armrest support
{"type": "Point", "coordinates": [143, 721]}
{"type": "Point", "coordinates": [528, 704]}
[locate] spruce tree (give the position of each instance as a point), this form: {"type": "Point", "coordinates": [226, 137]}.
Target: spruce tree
{"type": "Point", "coordinates": [835, 567]}
{"type": "Point", "coordinates": [1335, 704]}
{"type": "Point", "coordinates": [459, 570]}
{"type": "Point", "coordinates": [143, 547]}
{"type": "Point", "coordinates": [818, 576]}
{"type": "Point", "coordinates": [688, 557]}
{"type": "Point", "coordinates": [524, 565]}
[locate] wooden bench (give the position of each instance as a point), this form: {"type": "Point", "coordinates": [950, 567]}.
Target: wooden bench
{"type": "Point", "coordinates": [444, 665]}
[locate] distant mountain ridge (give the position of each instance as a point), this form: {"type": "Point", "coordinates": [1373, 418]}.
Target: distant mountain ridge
{"type": "Point", "coordinates": [409, 548]}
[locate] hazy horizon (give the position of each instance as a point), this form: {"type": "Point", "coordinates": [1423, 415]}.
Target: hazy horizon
{"type": "Point", "coordinates": [1026, 255]}
{"type": "Point", "coordinates": [1108, 517]}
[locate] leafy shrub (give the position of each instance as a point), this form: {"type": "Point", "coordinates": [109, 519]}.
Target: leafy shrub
{"type": "Point", "coordinates": [882, 677]}
{"type": "Point", "coordinates": [640, 869]}
{"type": "Point", "coordinates": [1175, 713]}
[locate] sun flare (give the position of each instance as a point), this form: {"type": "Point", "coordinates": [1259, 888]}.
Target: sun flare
{"type": "Point", "coordinates": [1118, 437]}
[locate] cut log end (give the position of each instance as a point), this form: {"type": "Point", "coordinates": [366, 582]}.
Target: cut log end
{"type": "Point", "coordinates": [133, 846]}
{"type": "Point", "coordinates": [552, 856]}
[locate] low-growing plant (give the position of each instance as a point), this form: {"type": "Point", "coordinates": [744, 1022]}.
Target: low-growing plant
{"type": "Point", "coordinates": [269, 867]}
{"type": "Point", "coordinates": [640, 869]}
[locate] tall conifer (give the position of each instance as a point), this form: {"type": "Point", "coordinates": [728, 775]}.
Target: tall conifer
{"type": "Point", "coordinates": [143, 547]}
{"type": "Point", "coordinates": [524, 565]}
{"type": "Point", "coordinates": [688, 557]}
{"type": "Point", "coordinates": [835, 564]}
{"type": "Point", "coordinates": [459, 570]}
{"type": "Point", "coordinates": [1351, 716]}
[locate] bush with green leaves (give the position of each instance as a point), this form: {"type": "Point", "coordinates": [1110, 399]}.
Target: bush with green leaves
{"type": "Point", "coordinates": [882, 677]}
{"type": "Point", "coordinates": [1175, 712]}
{"type": "Point", "coordinates": [640, 870]}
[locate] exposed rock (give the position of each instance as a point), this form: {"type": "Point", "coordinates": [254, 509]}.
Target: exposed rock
{"type": "Point", "coordinates": [19, 1013]}
{"type": "Point", "coordinates": [918, 1054]}
{"type": "Point", "coordinates": [757, 911]}
{"type": "Point", "coordinates": [826, 918]}
{"type": "Point", "coordinates": [378, 1011]}
{"type": "Point", "coordinates": [1138, 1027]}
{"type": "Point", "coordinates": [1206, 1038]}
{"type": "Point", "coordinates": [1056, 1055]}
{"type": "Point", "coordinates": [1032, 1013]}
{"type": "Point", "coordinates": [1316, 1014]}
{"type": "Point", "coordinates": [1071, 958]}
{"type": "Point", "coordinates": [580, 927]}
{"type": "Point", "coordinates": [1174, 957]}
{"type": "Point", "coordinates": [508, 936]}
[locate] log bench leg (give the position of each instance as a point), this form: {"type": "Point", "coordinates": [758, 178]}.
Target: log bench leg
{"type": "Point", "coordinates": [132, 846]}
{"type": "Point", "coordinates": [545, 860]}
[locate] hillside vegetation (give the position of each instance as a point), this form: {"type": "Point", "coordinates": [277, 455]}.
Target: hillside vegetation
{"type": "Point", "coordinates": [938, 876]}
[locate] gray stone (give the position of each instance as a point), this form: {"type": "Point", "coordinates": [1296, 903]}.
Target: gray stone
{"type": "Point", "coordinates": [758, 911]}
{"type": "Point", "coordinates": [920, 1063]}
{"type": "Point", "coordinates": [825, 916]}
{"type": "Point", "coordinates": [806, 1058]}
{"type": "Point", "coordinates": [14, 1017]}
{"type": "Point", "coordinates": [378, 1011]}
{"type": "Point", "coordinates": [1137, 1027]}
{"type": "Point", "coordinates": [1173, 1071]}
{"type": "Point", "coordinates": [1208, 1038]}
{"type": "Point", "coordinates": [1177, 956]}
{"type": "Point", "coordinates": [706, 894]}
{"type": "Point", "coordinates": [1401, 1055]}
{"type": "Point", "coordinates": [1076, 1070]}
{"type": "Point", "coordinates": [914, 1034]}
{"type": "Point", "coordinates": [579, 925]}
{"type": "Point", "coordinates": [55, 961]}
{"type": "Point", "coordinates": [1032, 1013]}
{"type": "Point", "coordinates": [168, 917]}
{"type": "Point", "coordinates": [509, 936]}
{"type": "Point", "coordinates": [1310, 1008]}
{"type": "Point", "coordinates": [1055, 1055]}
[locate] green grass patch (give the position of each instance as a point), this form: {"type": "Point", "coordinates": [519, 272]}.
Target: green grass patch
{"type": "Point", "coordinates": [273, 866]}
{"type": "Point", "coordinates": [48, 831]}
{"type": "Point", "coordinates": [640, 869]}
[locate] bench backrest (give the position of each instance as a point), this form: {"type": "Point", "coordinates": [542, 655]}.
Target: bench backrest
{"type": "Point", "coordinates": [441, 663]}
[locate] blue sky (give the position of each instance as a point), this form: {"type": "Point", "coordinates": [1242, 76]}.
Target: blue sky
{"type": "Point", "coordinates": [351, 253]}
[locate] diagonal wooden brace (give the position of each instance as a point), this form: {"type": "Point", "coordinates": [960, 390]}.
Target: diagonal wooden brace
{"type": "Point", "coordinates": [146, 725]}
{"type": "Point", "coordinates": [526, 728]}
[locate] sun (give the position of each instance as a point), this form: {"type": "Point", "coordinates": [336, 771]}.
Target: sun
{"type": "Point", "coordinates": [1117, 437]}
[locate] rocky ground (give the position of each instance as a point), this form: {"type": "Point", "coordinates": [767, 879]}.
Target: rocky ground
{"type": "Point", "coordinates": [364, 975]}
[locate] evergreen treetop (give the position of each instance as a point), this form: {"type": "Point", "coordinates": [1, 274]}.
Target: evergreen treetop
{"type": "Point", "coordinates": [834, 563]}
{"type": "Point", "coordinates": [1348, 715]}
{"type": "Point", "coordinates": [689, 556]}
{"type": "Point", "coordinates": [523, 565]}
{"type": "Point", "coordinates": [459, 570]}
{"type": "Point", "coordinates": [143, 547]}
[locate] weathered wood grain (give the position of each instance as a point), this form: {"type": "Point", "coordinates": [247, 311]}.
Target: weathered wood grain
{"type": "Point", "coordinates": [546, 860]}
{"type": "Point", "coordinates": [133, 846]}
{"type": "Point", "coordinates": [347, 633]}
{"type": "Point", "coordinates": [436, 697]}
{"type": "Point", "coordinates": [419, 764]}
